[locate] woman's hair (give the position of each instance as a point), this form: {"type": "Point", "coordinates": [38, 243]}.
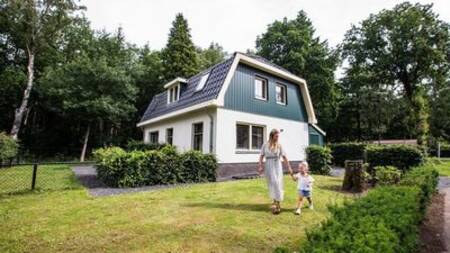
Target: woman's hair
{"type": "Point", "coordinates": [273, 144]}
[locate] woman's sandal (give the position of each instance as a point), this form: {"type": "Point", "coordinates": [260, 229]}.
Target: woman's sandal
{"type": "Point", "coordinates": [276, 209]}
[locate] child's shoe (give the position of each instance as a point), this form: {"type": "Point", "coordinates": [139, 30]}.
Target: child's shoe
{"type": "Point", "coordinates": [311, 207]}
{"type": "Point", "coordinates": [298, 211]}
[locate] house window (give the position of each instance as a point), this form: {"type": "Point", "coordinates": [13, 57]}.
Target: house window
{"type": "Point", "coordinates": [257, 137]}
{"type": "Point", "coordinates": [202, 82]}
{"type": "Point", "coordinates": [281, 94]}
{"type": "Point", "coordinates": [242, 137]}
{"type": "Point", "coordinates": [260, 88]}
{"type": "Point", "coordinates": [197, 136]}
{"type": "Point", "coordinates": [154, 136]}
{"type": "Point", "coordinates": [249, 136]}
{"type": "Point", "coordinates": [169, 136]}
{"type": "Point", "coordinates": [174, 94]}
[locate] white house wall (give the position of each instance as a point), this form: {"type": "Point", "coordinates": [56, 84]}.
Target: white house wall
{"type": "Point", "coordinates": [182, 129]}
{"type": "Point", "coordinates": [294, 137]}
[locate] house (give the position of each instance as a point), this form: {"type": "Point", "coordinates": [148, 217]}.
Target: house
{"type": "Point", "coordinates": [229, 110]}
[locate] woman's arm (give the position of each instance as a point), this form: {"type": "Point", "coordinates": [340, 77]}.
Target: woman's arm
{"type": "Point", "coordinates": [260, 164]}
{"type": "Point", "coordinates": [286, 162]}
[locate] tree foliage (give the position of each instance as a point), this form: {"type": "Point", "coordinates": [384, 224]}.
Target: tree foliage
{"type": "Point", "coordinates": [180, 58]}
{"type": "Point", "coordinates": [406, 48]}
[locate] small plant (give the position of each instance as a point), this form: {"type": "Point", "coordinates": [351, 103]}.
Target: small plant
{"type": "Point", "coordinates": [8, 147]}
{"type": "Point", "coordinates": [319, 159]}
{"type": "Point", "coordinates": [387, 175]}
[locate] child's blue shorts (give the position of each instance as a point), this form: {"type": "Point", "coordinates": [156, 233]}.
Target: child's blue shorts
{"type": "Point", "coordinates": [304, 193]}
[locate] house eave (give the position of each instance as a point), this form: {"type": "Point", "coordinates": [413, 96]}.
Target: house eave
{"type": "Point", "coordinates": [174, 82]}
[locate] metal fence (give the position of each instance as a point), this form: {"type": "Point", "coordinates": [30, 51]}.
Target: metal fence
{"type": "Point", "coordinates": [21, 178]}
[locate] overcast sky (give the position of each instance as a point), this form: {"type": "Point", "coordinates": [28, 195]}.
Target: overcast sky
{"type": "Point", "coordinates": [234, 24]}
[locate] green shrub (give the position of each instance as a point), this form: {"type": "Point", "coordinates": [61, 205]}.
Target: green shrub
{"type": "Point", "coordinates": [347, 151]}
{"type": "Point", "coordinates": [385, 220]}
{"type": "Point", "coordinates": [118, 168]}
{"type": "Point", "coordinates": [8, 147]}
{"type": "Point", "coordinates": [319, 159]}
{"type": "Point", "coordinates": [142, 146]}
{"type": "Point", "coordinates": [402, 157]}
{"type": "Point", "coordinates": [387, 175]}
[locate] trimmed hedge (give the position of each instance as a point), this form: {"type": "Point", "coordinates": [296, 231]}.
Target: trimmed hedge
{"type": "Point", "coordinates": [319, 159]}
{"type": "Point", "coordinates": [142, 146]}
{"type": "Point", "coordinates": [402, 157]}
{"type": "Point", "coordinates": [385, 220]}
{"type": "Point", "coordinates": [8, 147]}
{"type": "Point", "coordinates": [119, 168]}
{"type": "Point", "coordinates": [347, 151]}
{"type": "Point", "coordinates": [387, 175]}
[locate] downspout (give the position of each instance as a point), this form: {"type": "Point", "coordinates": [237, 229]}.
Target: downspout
{"type": "Point", "coordinates": [211, 132]}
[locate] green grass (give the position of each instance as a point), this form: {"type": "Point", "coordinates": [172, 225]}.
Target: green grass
{"type": "Point", "coordinates": [48, 177]}
{"type": "Point", "coordinates": [214, 217]}
{"type": "Point", "coordinates": [443, 166]}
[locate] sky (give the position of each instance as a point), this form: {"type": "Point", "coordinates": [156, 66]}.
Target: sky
{"type": "Point", "coordinates": [234, 24]}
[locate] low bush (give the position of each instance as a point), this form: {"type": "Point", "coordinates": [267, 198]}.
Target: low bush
{"type": "Point", "coordinates": [8, 147]}
{"type": "Point", "coordinates": [402, 157]}
{"type": "Point", "coordinates": [319, 159]}
{"type": "Point", "coordinates": [385, 220]}
{"type": "Point", "coordinates": [133, 145]}
{"type": "Point", "coordinates": [119, 168]}
{"type": "Point", "coordinates": [347, 151]}
{"type": "Point", "coordinates": [387, 175]}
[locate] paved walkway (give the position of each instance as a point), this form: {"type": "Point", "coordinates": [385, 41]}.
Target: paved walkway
{"type": "Point", "coordinates": [444, 187]}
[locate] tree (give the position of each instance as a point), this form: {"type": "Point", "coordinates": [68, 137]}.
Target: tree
{"type": "Point", "coordinates": [293, 45]}
{"type": "Point", "coordinates": [33, 25]}
{"type": "Point", "coordinates": [180, 57]}
{"type": "Point", "coordinates": [211, 55]}
{"type": "Point", "coordinates": [406, 48]}
{"type": "Point", "coordinates": [95, 86]}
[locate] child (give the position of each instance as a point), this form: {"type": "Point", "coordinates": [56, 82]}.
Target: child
{"type": "Point", "coordinates": [305, 182]}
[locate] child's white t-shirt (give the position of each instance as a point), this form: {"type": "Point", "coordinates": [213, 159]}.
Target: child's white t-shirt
{"type": "Point", "coordinates": [304, 182]}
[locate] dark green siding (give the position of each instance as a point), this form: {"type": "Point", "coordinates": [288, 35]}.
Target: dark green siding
{"type": "Point", "coordinates": [240, 96]}
{"type": "Point", "coordinates": [315, 137]}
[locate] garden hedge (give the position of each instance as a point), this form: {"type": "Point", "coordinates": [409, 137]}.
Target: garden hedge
{"type": "Point", "coordinates": [319, 159]}
{"type": "Point", "coordinates": [402, 157]}
{"type": "Point", "coordinates": [347, 151]}
{"type": "Point", "coordinates": [119, 168]}
{"type": "Point", "coordinates": [385, 220]}
{"type": "Point", "coordinates": [142, 146]}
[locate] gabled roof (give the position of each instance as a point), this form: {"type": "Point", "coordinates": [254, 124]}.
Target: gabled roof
{"type": "Point", "coordinates": [214, 90]}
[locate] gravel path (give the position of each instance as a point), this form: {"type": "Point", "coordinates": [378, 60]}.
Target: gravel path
{"type": "Point", "coordinates": [444, 187]}
{"type": "Point", "coordinates": [87, 175]}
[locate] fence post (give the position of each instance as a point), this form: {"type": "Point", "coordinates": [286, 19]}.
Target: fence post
{"type": "Point", "coordinates": [439, 150]}
{"type": "Point", "coordinates": [33, 179]}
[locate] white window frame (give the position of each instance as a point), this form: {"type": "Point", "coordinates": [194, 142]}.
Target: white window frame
{"type": "Point", "coordinates": [193, 136]}
{"type": "Point", "coordinates": [202, 82]}
{"type": "Point", "coordinates": [284, 87]}
{"type": "Point", "coordinates": [265, 87]}
{"type": "Point", "coordinates": [173, 96]}
{"type": "Point", "coordinates": [150, 137]}
{"type": "Point", "coordinates": [250, 141]}
{"type": "Point", "coordinates": [167, 136]}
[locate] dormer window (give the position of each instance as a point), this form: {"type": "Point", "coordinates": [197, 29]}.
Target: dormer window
{"type": "Point", "coordinates": [173, 94]}
{"type": "Point", "coordinates": [173, 89]}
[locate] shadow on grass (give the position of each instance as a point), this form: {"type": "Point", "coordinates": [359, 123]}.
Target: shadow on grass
{"type": "Point", "coordinates": [238, 207]}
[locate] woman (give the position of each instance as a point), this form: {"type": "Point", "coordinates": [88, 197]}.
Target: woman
{"type": "Point", "coordinates": [273, 152]}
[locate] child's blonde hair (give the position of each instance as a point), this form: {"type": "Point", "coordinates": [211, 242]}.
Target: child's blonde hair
{"type": "Point", "coordinates": [305, 163]}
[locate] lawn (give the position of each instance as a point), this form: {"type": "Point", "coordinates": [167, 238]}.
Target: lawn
{"type": "Point", "coordinates": [443, 167]}
{"type": "Point", "coordinates": [215, 217]}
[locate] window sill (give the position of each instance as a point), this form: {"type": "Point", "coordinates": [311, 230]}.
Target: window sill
{"type": "Point", "coordinates": [261, 99]}
{"type": "Point", "coordinates": [280, 103]}
{"type": "Point", "coordinates": [247, 151]}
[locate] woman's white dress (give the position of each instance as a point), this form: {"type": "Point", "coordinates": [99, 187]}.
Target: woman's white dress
{"type": "Point", "coordinates": [273, 171]}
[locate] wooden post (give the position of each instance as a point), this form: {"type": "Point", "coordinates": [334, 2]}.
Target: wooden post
{"type": "Point", "coordinates": [354, 180]}
{"type": "Point", "coordinates": [439, 150]}
{"type": "Point", "coordinates": [33, 179]}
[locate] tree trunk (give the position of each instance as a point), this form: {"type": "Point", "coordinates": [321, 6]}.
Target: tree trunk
{"type": "Point", "coordinates": [20, 112]}
{"type": "Point", "coordinates": [85, 142]}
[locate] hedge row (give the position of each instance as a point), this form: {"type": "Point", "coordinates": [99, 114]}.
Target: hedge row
{"type": "Point", "coordinates": [119, 168]}
{"type": "Point", "coordinates": [401, 156]}
{"type": "Point", "coordinates": [319, 159]}
{"type": "Point", "coordinates": [385, 220]}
